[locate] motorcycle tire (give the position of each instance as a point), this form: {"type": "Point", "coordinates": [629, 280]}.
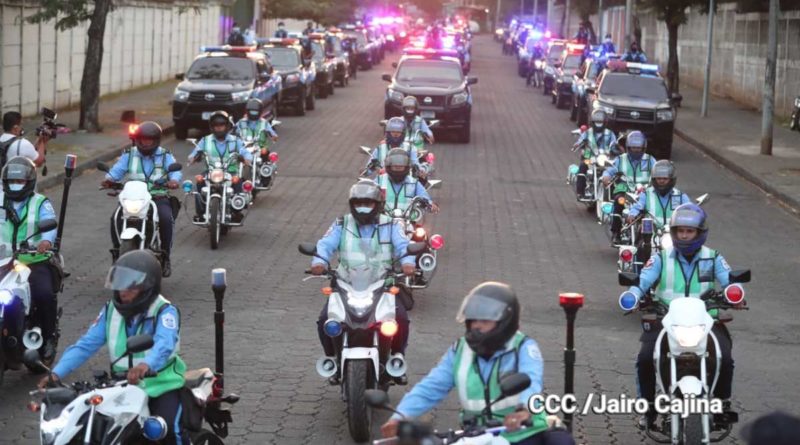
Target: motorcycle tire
{"type": "Point", "coordinates": [214, 222]}
{"type": "Point", "coordinates": [358, 378]}
{"type": "Point", "coordinates": [693, 430]}
{"type": "Point", "coordinates": [205, 437]}
{"type": "Point", "coordinates": [2, 365]}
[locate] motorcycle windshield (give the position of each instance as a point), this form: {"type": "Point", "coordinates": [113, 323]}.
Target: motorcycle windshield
{"type": "Point", "coordinates": [361, 278]}
{"type": "Point", "coordinates": [6, 255]}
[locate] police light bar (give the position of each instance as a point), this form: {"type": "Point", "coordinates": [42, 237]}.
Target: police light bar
{"type": "Point", "coordinates": [575, 47]}
{"type": "Point", "coordinates": [280, 41]}
{"type": "Point", "coordinates": [228, 49]}
{"type": "Point", "coordinates": [638, 68]}
{"type": "Point", "coordinates": [430, 52]}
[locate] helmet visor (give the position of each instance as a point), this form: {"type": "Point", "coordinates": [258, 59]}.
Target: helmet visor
{"type": "Point", "coordinates": [124, 278]}
{"type": "Point", "coordinates": [480, 307]}
{"type": "Point", "coordinates": [18, 171]}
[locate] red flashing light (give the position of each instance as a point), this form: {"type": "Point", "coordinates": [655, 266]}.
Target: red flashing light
{"type": "Point", "coordinates": [273, 157]}
{"type": "Point", "coordinates": [216, 388]}
{"type": "Point", "coordinates": [734, 294]}
{"type": "Point", "coordinates": [626, 255]}
{"type": "Point", "coordinates": [132, 129]}
{"type": "Point", "coordinates": [430, 158]}
{"type": "Point", "coordinates": [584, 128]}
{"type": "Point", "coordinates": [437, 242]}
{"type": "Point", "coordinates": [570, 300]}
{"type": "Point", "coordinates": [247, 186]}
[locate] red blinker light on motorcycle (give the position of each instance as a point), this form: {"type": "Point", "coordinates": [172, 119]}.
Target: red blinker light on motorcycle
{"type": "Point", "coordinates": [216, 389]}
{"type": "Point", "coordinates": [235, 180]}
{"type": "Point", "coordinates": [584, 128]}
{"type": "Point", "coordinates": [199, 179]}
{"type": "Point", "coordinates": [734, 294]}
{"type": "Point", "coordinates": [273, 157]}
{"type": "Point", "coordinates": [389, 328]}
{"type": "Point", "coordinates": [569, 300]}
{"type": "Point", "coordinates": [34, 407]}
{"type": "Point", "coordinates": [626, 256]}
{"type": "Point", "coordinates": [431, 158]}
{"type": "Point", "coordinates": [132, 129]}
{"type": "Point", "coordinates": [264, 152]}
{"type": "Point", "coordinates": [247, 186]}
{"type": "Point", "coordinates": [94, 400]}
{"type": "Point", "coordinates": [437, 242]}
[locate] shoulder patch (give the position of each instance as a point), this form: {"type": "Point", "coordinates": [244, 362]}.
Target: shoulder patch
{"type": "Point", "coordinates": [724, 263]}
{"type": "Point", "coordinates": [533, 352]}
{"type": "Point", "coordinates": [649, 263]}
{"type": "Point", "coordinates": [48, 206]}
{"type": "Point", "coordinates": [169, 321]}
{"type": "Point", "coordinates": [339, 221]}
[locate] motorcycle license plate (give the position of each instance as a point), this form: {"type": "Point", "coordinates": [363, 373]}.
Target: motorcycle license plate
{"type": "Point", "coordinates": [647, 226]}
{"type": "Point", "coordinates": [206, 115]}
{"type": "Point", "coordinates": [427, 114]}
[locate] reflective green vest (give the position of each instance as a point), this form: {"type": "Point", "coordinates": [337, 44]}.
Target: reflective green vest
{"type": "Point", "coordinates": [136, 170]}
{"type": "Point", "coordinates": [661, 214]}
{"type": "Point", "coordinates": [395, 200]}
{"type": "Point", "coordinates": [12, 235]}
{"type": "Point", "coordinates": [213, 156]}
{"type": "Point", "coordinates": [170, 377]}
{"type": "Point", "coordinates": [383, 150]}
{"type": "Point", "coordinates": [635, 173]}
{"type": "Point", "coordinates": [592, 139]}
{"type": "Point", "coordinates": [355, 251]}
{"type": "Point", "coordinates": [259, 133]}
{"type": "Point", "coordinates": [471, 388]}
{"type": "Point", "coordinates": [673, 284]}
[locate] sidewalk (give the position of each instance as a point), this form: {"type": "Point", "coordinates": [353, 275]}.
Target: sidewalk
{"type": "Point", "coordinates": [150, 103]}
{"type": "Point", "coordinates": [731, 135]}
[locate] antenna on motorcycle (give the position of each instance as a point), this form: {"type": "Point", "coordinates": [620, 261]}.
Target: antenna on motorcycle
{"type": "Point", "coordinates": [70, 163]}
{"type": "Point", "coordinates": [219, 282]}
{"type": "Point", "coordinates": [570, 302]}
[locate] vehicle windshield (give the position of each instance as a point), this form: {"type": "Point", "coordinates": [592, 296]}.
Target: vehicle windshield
{"type": "Point", "coordinates": [319, 52]}
{"type": "Point", "coordinates": [360, 38]}
{"type": "Point", "coordinates": [361, 277]}
{"type": "Point", "coordinates": [572, 62]}
{"type": "Point", "coordinates": [429, 71]}
{"type": "Point", "coordinates": [639, 87]}
{"type": "Point", "coordinates": [221, 68]}
{"type": "Point", "coordinates": [555, 52]}
{"type": "Point", "coordinates": [283, 57]}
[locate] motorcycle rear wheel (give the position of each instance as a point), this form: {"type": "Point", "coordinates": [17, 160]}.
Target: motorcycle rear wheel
{"type": "Point", "coordinates": [214, 222]}
{"type": "Point", "coordinates": [358, 379]}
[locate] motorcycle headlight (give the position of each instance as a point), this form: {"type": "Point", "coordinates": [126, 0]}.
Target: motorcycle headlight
{"type": "Point", "coordinates": [538, 64]}
{"type": "Point", "coordinates": [292, 78]}
{"type": "Point", "coordinates": [664, 115]}
{"type": "Point", "coordinates": [395, 96]}
{"type": "Point", "coordinates": [609, 110]}
{"type": "Point", "coordinates": [459, 98]}
{"type": "Point", "coordinates": [241, 96]}
{"type": "Point", "coordinates": [216, 176]}
{"type": "Point", "coordinates": [688, 336]}
{"type": "Point", "coordinates": [133, 206]}
{"type": "Point", "coordinates": [5, 297]}
{"type": "Point", "coordinates": [797, 102]}
{"type": "Point", "coordinates": [180, 95]}
{"type": "Point", "coordinates": [601, 159]}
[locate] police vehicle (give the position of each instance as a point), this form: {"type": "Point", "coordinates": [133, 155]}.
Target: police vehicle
{"type": "Point", "coordinates": [435, 78]}
{"type": "Point", "coordinates": [340, 57]}
{"type": "Point", "coordinates": [586, 77]}
{"type": "Point", "coordinates": [552, 57]}
{"type": "Point", "coordinates": [324, 63]}
{"type": "Point", "coordinates": [223, 78]}
{"type": "Point", "coordinates": [298, 76]}
{"type": "Point", "coordinates": [634, 97]}
{"type": "Point", "coordinates": [567, 66]}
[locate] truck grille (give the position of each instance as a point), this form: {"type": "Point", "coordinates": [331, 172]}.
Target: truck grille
{"type": "Point", "coordinates": [197, 96]}
{"type": "Point", "coordinates": [635, 115]}
{"type": "Point", "coordinates": [436, 101]}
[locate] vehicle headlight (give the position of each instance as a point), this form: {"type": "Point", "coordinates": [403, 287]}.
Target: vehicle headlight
{"type": "Point", "coordinates": [395, 96]}
{"type": "Point", "coordinates": [133, 206]}
{"type": "Point", "coordinates": [180, 95]}
{"type": "Point", "coordinates": [292, 78]}
{"type": "Point", "coordinates": [797, 102]}
{"type": "Point", "coordinates": [459, 98]}
{"type": "Point", "coordinates": [498, 32]}
{"type": "Point", "coordinates": [601, 159]}
{"type": "Point", "coordinates": [241, 96]}
{"type": "Point", "coordinates": [216, 176]}
{"type": "Point", "coordinates": [664, 115]}
{"type": "Point", "coordinates": [688, 336]}
{"type": "Point", "coordinates": [538, 64]}
{"type": "Point", "coordinates": [609, 110]}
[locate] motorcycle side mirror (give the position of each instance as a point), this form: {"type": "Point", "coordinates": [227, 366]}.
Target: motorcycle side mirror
{"type": "Point", "coordinates": [366, 150]}
{"type": "Point", "coordinates": [103, 167]}
{"type": "Point", "coordinates": [739, 276]}
{"type": "Point", "coordinates": [46, 225]}
{"type": "Point", "coordinates": [180, 76]}
{"type": "Point", "coordinates": [513, 384]}
{"type": "Point", "coordinates": [175, 167]}
{"type": "Point", "coordinates": [308, 249]}
{"type": "Point", "coordinates": [276, 123]}
{"type": "Point", "coordinates": [415, 248]}
{"type": "Point", "coordinates": [472, 80]}
{"type": "Point", "coordinates": [32, 359]}
{"type": "Point", "coordinates": [434, 183]}
{"type": "Point", "coordinates": [382, 123]}
{"type": "Point", "coordinates": [190, 140]}
{"type": "Point", "coordinates": [628, 279]}
{"type": "Point", "coordinates": [676, 99]}
{"type": "Point", "coordinates": [138, 343]}
{"type": "Point", "coordinates": [702, 199]}
{"type": "Point", "coordinates": [377, 399]}
{"type": "Point", "coordinates": [386, 77]}
{"type": "Point", "coordinates": [434, 123]}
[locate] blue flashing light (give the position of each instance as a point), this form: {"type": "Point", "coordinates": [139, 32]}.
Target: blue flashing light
{"type": "Point", "coordinates": [154, 428]}
{"type": "Point", "coordinates": [187, 186]}
{"type": "Point", "coordinates": [573, 169]}
{"type": "Point", "coordinates": [332, 328]}
{"type": "Point", "coordinates": [628, 301]}
{"type": "Point", "coordinates": [607, 208]}
{"type": "Point", "coordinates": [536, 34]}
{"type": "Point", "coordinates": [6, 296]}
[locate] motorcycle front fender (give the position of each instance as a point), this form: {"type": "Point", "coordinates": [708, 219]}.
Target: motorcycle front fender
{"type": "Point", "coordinates": [690, 385]}
{"type": "Point", "coordinates": [362, 354]}
{"type": "Point", "coordinates": [130, 233]}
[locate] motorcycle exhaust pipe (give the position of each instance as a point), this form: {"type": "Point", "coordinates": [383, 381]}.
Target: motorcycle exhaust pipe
{"type": "Point", "coordinates": [427, 262]}
{"type": "Point", "coordinates": [266, 170]}
{"type": "Point", "coordinates": [32, 338]}
{"type": "Point", "coordinates": [238, 202]}
{"type": "Point", "coordinates": [396, 365]}
{"type": "Point", "coordinates": [326, 367]}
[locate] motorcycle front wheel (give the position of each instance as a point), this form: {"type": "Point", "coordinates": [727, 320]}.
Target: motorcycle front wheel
{"type": "Point", "coordinates": [693, 430]}
{"type": "Point", "coordinates": [127, 245]}
{"type": "Point", "coordinates": [359, 416]}
{"type": "Point", "coordinates": [214, 221]}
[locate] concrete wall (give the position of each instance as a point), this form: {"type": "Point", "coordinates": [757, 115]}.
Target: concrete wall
{"type": "Point", "coordinates": [738, 53]}
{"type": "Point", "coordinates": [144, 43]}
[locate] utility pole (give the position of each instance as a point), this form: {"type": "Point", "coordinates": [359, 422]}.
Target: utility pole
{"type": "Point", "coordinates": [567, 13]}
{"type": "Point", "coordinates": [521, 7]}
{"type": "Point", "coordinates": [768, 107]}
{"type": "Point", "coordinates": [535, 9]}
{"type": "Point", "coordinates": [600, 21]}
{"type": "Point", "coordinates": [628, 23]}
{"type": "Point", "coordinates": [497, 14]}
{"type": "Point", "coordinates": [707, 80]}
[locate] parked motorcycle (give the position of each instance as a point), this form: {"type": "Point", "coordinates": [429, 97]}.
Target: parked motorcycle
{"type": "Point", "coordinates": [690, 365]}
{"type": "Point", "coordinates": [224, 207]}
{"type": "Point", "coordinates": [136, 218]}
{"type": "Point", "coordinates": [361, 312]}
{"type": "Point", "coordinates": [795, 122]}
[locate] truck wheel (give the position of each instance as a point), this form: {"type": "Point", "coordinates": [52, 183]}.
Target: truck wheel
{"type": "Point", "coordinates": [464, 134]}
{"type": "Point", "coordinates": [310, 99]}
{"type": "Point", "coordinates": [181, 132]}
{"type": "Point", "coordinates": [300, 108]}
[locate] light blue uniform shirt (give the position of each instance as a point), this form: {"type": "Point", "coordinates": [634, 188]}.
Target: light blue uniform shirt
{"type": "Point", "coordinates": [329, 243]}
{"type": "Point", "coordinates": [641, 204]}
{"type": "Point", "coordinates": [419, 190]}
{"type": "Point", "coordinates": [120, 168]}
{"type": "Point", "coordinates": [652, 271]}
{"type": "Point", "coordinates": [645, 164]}
{"type": "Point", "coordinates": [412, 153]}
{"type": "Point", "coordinates": [222, 147]}
{"type": "Point", "coordinates": [46, 211]}
{"type": "Point", "coordinates": [165, 339]}
{"type": "Point", "coordinates": [421, 125]}
{"type": "Point", "coordinates": [437, 384]}
{"type": "Point", "coordinates": [607, 141]}
{"type": "Point", "coordinates": [252, 125]}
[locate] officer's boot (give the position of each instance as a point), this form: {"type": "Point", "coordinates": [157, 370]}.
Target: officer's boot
{"type": "Point", "coordinates": [166, 266]}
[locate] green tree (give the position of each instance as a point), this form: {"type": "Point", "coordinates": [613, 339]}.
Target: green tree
{"type": "Point", "coordinates": [69, 14]}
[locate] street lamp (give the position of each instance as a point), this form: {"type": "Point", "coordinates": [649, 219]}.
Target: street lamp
{"type": "Point", "coordinates": [570, 302]}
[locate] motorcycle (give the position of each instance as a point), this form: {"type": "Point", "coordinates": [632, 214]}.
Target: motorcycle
{"type": "Point", "coordinates": [688, 369]}
{"type": "Point", "coordinates": [361, 312]}
{"type": "Point", "coordinates": [480, 430]}
{"type": "Point", "coordinates": [597, 161]}
{"type": "Point", "coordinates": [136, 218]}
{"type": "Point", "coordinates": [627, 192]}
{"type": "Point", "coordinates": [220, 199]}
{"type": "Point", "coordinates": [265, 164]}
{"type": "Point", "coordinates": [422, 172]}
{"type": "Point", "coordinates": [110, 411]}
{"type": "Point", "coordinates": [795, 122]}
{"type": "Point", "coordinates": [19, 332]}
{"type": "Point", "coordinates": [653, 237]}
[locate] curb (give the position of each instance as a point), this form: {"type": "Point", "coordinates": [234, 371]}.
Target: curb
{"type": "Point", "coordinates": [106, 155]}
{"type": "Point", "coordinates": [788, 201]}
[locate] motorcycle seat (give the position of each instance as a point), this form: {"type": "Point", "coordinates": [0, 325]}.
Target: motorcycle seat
{"type": "Point", "coordinates": [199, 381]}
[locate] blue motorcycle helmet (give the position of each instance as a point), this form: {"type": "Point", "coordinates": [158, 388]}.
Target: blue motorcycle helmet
{"type": "Point", "coordinates": [635, 143]}
{"type": "Point", "coordinates": [688, 215]}
{"type": "Point", "coordinates": [395, 132]}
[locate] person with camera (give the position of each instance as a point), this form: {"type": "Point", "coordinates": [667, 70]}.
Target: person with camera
{"type": "Point", "coordinates": [13, 144]}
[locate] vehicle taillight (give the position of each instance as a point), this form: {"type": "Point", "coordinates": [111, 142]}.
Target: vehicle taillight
{"type": "Point", "coordinates": [626, 255]}
{"type": "Point", "coordinates": [247, 186]}
{"type": "Point", "coordinates": [132, 128]}
{"type": "Point", "coordinates": [734, 294]}
{"type": "Point", "coordinates": [437, 242]}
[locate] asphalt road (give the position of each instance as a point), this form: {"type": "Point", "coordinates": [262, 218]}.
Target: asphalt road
{"type": "Point", "coordinates": [507, 215]}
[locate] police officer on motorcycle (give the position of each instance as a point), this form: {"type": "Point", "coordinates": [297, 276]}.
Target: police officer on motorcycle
{"type": "Point", "coordinates": [147, 161]}
{"type": "Point", "coordinates": [661, 197]}
{"type": "Point", "coordinates": [598, 136]}
{"type": "Point", "coordinates": [492, 345]}
{"type": "Point", "coordinates": [255, 127]}
{"type": "Point", "coordinates": [137, 307]}
{"type": "Point", "coordinates": [415, 123]}
{"type": "Point", "coordinates": [401, 188]}
{"type": "Point", "coordinates": [362, 237]}
{"type": "Point", "coordinates": [688, 268]}
{"type": "Point", "coordinates": [20, 215]}
{"type": "Point", "coordinates": [394, 136]}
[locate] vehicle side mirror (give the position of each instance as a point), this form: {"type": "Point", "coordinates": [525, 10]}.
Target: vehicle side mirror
{"type": "Point", "coordinates": [472, 80]}
{"type": "Point", "coordinates": [557, 65]}
{"type": "Point", "coordinates": [513, 384]}
{"type": "Point", "coordinates": [628, 279]}
{"type": "Point", "coordinates": [382, 123]}
{"type": "Point", "coordinates": [702, 199]}
{"type": "Point", "coordinates": [180, 76]}
{"type": "Point", "coordinates": [386, 77]}
{"type": "Point", "coordinates": [103, 167]}
{"type": "Point", "coordinates": [308, 249]}
{"type": "Point", "coordinates": [276, 123]}
{"type": "Point", "coordinates": [434, 183]}
{"type": "Point", "coordinates": [366, 150]}
{"type": "Point", "coordinates": [415, 248]}
{"type": "Point", "coordinates": [676, 99]}
{"type": "Point", "coordinates": [31, 358]}
{"type": "Point", "coordinates": [739, 276]}
{"type": "Point", "coordinates": [175, 167]}
{"type": "Point", "coordinates": [138, 343]}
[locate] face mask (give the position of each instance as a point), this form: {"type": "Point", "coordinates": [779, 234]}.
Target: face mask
{"type": "Point", "coordinates": [363, 210]}
{"type": "Point", "coordinates": [16, 187]}
{"type": "Point", "coordinates": [598, 125]}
